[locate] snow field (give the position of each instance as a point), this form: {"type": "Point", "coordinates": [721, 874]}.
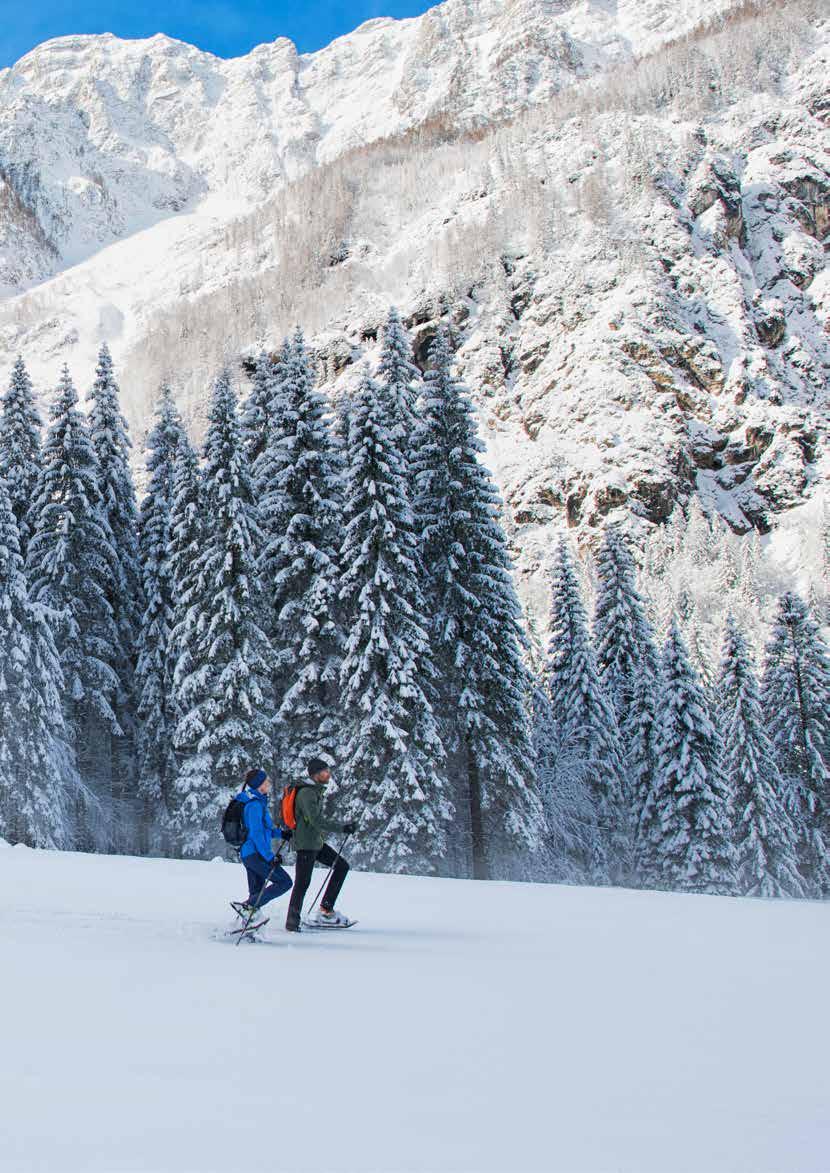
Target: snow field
{"type": "Point", "coordinates": [460, 1027]}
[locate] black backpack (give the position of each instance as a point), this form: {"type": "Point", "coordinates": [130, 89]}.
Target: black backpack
{"type": "Point", "coordinates": [234, 830]}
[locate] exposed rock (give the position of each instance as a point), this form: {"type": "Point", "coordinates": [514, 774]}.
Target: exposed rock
{"type": "Point", "coordinates": [706, 445]}
{"type": "Point", "coordinates": [333, 356]}
{"type": "Point", "coordinates": [770, 322]}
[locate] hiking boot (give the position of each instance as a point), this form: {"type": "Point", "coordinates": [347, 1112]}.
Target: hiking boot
{"type": "Point", "coordinates": [331, 917]}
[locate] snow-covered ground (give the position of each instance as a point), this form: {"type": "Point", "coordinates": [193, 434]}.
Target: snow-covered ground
{"type": "Point", "coordinates": [460, 1026]}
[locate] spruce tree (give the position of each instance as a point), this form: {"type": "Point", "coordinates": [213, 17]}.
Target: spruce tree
{"type": "Point", "coordinates": [399, 380]}
{"type": "Point", "coordinates": [300, 566]}
{"type": "Point", "coordinates": [824, 565]}
{"type": "Point", "coordinates": [110, 439]}
{"type": "Point", "coordinates": [475, 632]}
{"type": "Point", "coordinates": [685, 831]}
{"type": "Point", "coordinates": [20, 428]}
{"type": "Point", "coordinates": [587, 732]}
{"type": "Point", "coordinates": [764, 837]}
{"type": "Point", "coordinates": [750, 558]}
{"type": "Point", "coordinates": [640, 740]}
{"type": "Point", "coordinates": [392, 782]}
{"type": "Point", "coordinates": [70, 564]}
{"type": "Point", "coordinates": [37, 780]}
{"type": "Point", "coordinates": [628, 664]}
{"type": "Point", "coordinates": [796, 699]}
{"type": "Point", "coordinates": [191, 768]}
{"type": "Point", "coordinates": [224, 700]}
{"type": "Point", "coordinates": [154, 671]}
{"type": "Point", "coordinates": [699, 547]}
{"type": "Point", "coordinates": [263, 407]}
{"type": "Point", "coordinates": [622, 634]}
{"type": "Point", "coordinates": [574, 845]}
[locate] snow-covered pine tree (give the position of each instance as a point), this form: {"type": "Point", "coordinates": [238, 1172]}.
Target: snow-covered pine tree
{"type": "Point", "coordinates": [37, 782]}
{"type": "Point", "coordinates": [20, 428]}
{"type": "Point", "coordinates": [587, 734]}
{"type": "Point", "coordinates": [475, 632]}
{"type": "Point", "coordinates": [186, 525]}
{"type": "Point", "coordinates": [640, 742]}
{"type": "Point", "coordinates": [750, 558]}
{"type": "Point", "coordinates": [621, 631]}
{"type": "Point", "coordinates": [300, 509]}
{"type": "Point", "coordinates": [225, 702]}
{"type": "Point", "coordinates": [70, 562]}
{"type": "Point", "coordinates": [393, 759]}
{"type": "Point", "coordinates": [154, 671]}
{"type": "Point", "coordinates": [700, 654]}
{"type": "Point", "coordinates": [573, 835]}
{"type": "Point", "coordinates": [796, 700]}
{"type": "Point", "coordinates": [340, 426]}
{"type": "Point", "coordinates": [399, 380]}
{"type": "Point", "coordinates": [684, 840]}
{"type": "Point", "coordinates": [110, 439]}
{"type": "Point", "coordinates": [764, 836]}
{"type": "Point", "coordinates": [628, 666]}
{"type": "Point", "coordinates": [263, 404]}
{"type": "Point", "coordinates": [699, 548]}
{"type": "Point", "coordinates": [823, 614]}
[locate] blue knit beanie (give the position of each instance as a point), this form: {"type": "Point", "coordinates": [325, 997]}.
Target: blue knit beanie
{"type": "Point", "coordinates": [255, 778]}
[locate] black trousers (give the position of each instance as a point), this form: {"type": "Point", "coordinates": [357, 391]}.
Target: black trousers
{"type": "Point", "coordinates": [302, 878]}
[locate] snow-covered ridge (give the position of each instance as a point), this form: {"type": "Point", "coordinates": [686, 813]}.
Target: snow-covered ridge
{"type": "Point", "coordinates": [101, 137]}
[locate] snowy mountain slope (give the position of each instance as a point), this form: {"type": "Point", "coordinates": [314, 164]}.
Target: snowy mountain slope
{"type": "Point", "coordinates": [637, 266]}
{"type": "Point", "coordinates": [462, 1026]}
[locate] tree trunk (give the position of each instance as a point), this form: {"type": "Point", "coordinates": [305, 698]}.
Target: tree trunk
{"type": "Point", "coordinates": [478, 852]}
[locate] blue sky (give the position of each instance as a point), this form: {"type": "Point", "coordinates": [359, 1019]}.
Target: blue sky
{"type": "Point", "coordinates": [225, 27]}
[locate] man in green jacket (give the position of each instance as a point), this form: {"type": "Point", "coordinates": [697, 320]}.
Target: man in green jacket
{"type": "Point", "coordinates": [310, 846]}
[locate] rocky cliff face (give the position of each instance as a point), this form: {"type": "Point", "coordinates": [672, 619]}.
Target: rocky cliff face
{"type": "Point", "coordinates": [629, 231]}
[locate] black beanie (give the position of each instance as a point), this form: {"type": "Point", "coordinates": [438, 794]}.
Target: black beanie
{"type": "Point", "coordinates": [315, 765]}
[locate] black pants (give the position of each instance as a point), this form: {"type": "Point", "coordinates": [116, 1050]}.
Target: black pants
{"type": "Point", "coordinates": [258, 870]}
{"type": "Point", "coordinates": [302, 878]}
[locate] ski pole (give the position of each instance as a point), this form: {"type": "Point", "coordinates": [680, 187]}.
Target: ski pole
{"type": "Point", "coordinates": [328, 873]}
{"type": "Point", "coordinates": [266, 882]}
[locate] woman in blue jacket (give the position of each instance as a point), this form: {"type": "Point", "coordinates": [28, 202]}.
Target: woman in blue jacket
{"type": "Point", "coordinates": [256, 852]}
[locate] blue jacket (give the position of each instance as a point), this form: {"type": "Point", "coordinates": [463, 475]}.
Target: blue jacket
{"type": "Point", "coordinates": [260, 825]}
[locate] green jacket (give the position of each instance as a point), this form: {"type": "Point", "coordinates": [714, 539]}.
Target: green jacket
{"type": "Point", "coordinates": [311, 824]}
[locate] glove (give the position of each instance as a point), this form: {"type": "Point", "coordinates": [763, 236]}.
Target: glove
{"type": "Point", "coordinates": [286, 833]}
{"type": "Point", "coordinates": [349, 828]}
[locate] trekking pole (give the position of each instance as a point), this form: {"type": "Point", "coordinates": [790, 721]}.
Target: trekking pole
{"type": "Point", "coordinates": [265, 883]}
{"type": "Point", "coordinates": [328, 873]}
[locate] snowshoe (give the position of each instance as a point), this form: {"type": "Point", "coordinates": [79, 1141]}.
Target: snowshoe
{"type": "Point", "coordinates": [329, 920]}
{"type": "Point", "coordinates": [248, 931]}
